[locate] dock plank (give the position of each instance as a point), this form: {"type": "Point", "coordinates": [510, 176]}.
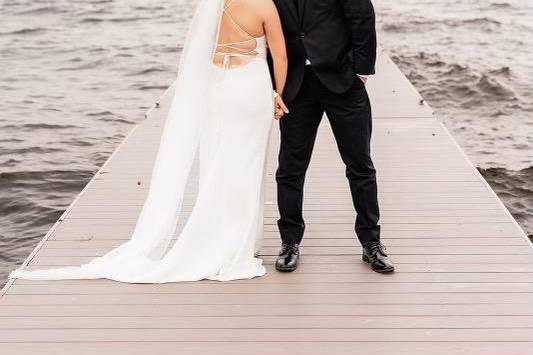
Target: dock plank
{"type": "Point", "coordinates": [270, 348]}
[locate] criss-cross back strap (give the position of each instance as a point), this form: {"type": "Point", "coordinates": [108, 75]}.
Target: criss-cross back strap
{"type": "Point", "coordinates": [230, 16]}
{"type": "Point", "coordinates": [227, 4]}
{"type": "Point", "coordinates": [239, 48]}
{"type": "Point", "coordinates": [238, 26]}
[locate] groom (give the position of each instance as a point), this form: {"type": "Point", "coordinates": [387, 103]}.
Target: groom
{"type": "Point", "coordinates": [331, 47]}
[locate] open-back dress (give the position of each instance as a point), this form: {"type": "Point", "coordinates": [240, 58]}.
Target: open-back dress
{"type": "Point", "coordinates": [221, 235]}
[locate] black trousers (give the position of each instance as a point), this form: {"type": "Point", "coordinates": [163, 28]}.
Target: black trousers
{"type": "Point", "coordinates": [350, 117]}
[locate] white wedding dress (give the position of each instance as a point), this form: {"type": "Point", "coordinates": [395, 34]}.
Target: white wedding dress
{"type": "Point", "coordinates": [225, 113]}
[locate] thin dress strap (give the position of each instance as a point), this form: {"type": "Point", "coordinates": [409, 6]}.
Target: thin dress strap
{"type": "Point", "coordinates": [227, 4]}
{"type": "Point", "coordinates": [239, 27]}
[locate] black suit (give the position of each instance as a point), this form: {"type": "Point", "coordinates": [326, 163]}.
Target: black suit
{"type": "Point", "coordinates": [337, 36]}
{"type": "Point", "coordinates": [339, 39]}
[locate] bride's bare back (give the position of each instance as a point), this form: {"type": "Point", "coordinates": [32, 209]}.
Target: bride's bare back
{"type": "Point", "coordinates": [245, 24]}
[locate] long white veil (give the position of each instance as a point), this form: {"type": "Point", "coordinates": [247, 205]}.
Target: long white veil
{"type": "Point", "coordinates": [157, 222]}
{"type": "Point", "coordinates": [181, 134]}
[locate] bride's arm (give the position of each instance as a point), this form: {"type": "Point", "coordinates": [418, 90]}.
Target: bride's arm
{"type": "Point", "coordinates": [276, 44]}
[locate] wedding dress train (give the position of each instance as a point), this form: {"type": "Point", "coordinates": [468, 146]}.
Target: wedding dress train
{"type": "Point", "coordinates": [225, 112]}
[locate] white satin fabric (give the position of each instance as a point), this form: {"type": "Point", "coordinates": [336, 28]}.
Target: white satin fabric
{"type": "Point", "coordinates": [226, 113]}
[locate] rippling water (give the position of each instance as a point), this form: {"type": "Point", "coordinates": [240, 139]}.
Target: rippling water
{"type": "Point", "coordinates": [473, 62]}
{"type": "Point", "coordinates": [75, 75]}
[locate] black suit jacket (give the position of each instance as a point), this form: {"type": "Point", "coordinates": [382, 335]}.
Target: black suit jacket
{"type": "Point", "coordinates": [337, 36]}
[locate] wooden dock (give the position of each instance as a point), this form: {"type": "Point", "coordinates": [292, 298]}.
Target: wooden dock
{"type": "Point", "coordinates": [464, 280]}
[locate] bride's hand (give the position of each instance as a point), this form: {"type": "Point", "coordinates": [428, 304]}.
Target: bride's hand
{"type": "Point", "coordinates": [280, 107]}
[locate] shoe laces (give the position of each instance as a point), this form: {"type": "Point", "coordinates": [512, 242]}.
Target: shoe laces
{"type": "Point", "coordinates": [289, 248]}
{"type": "Point", "coordinates": [378, 247]}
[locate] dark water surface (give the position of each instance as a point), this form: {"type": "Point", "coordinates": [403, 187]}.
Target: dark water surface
{"type": "Point", "coordinates": [76, 75]}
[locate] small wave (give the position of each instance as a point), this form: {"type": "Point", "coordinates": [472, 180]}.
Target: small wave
{"type": "Point", "coordinates": [123, 55]}
{"type": "Point", "coordinates": [490, 86]}
{"type": "Point", "coordinates": [393, 27]}
{"type": "Point", "coordinates": [500, 5]}
{"type": "Point", "coordinates": [39, 126]}
{"type": "Point", "coordinates": [95, 11]}
{"type": "Point", "coordinates": [427, 24]}
{"type": "Point", "coordinates": [116, 120]}
{"type": "Point", "coordinates": [29, 150]}
{"type": "Point", "coordinates": [114, 19]}
{"type": "Point", "coordinates": [108, 116]}
{"type": "Point", "coordinates": [99, 158]}
{"type": "Point", "coordinates": [24, 31]}
{"type": "Point", "coordinates": [41, 10]}
{"type": "Point", "coordinates": [172, 49]}
{"type": "Point", "coordinates": [457, 83]}
{"type": "Point", "coordinates": [77, 143]}
{"type": "Point", "coordinates": [414, 24]}
{"type": "Point", "coordinates": [11, 140]}
{"type": "Point", "coordinates": [476, 21]}
{"type": "Point", "coordinates": [149, 8]}
{"type": "Point", "coordinates": [35, 177]}
{"type": "Point", "coordinates": [89, 65]}
{"type": "Point", "coordinates": [149, 71]}
{"type": "Point", "coordinates": [99, 113]}
{"type": "Point", "coordinates": [9, 163]}
{"type": "Point", "coordinates": [504, 71]}
{"type": "Point", "coordinates": [16, 207]}
{"type": "Point", "coordinates": [515, 188]}
{"type": "Point", "coordinates": [149, 87]}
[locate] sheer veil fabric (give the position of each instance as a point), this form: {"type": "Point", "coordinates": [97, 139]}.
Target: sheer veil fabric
{"type": "Point", "coordinates": [206, 249]}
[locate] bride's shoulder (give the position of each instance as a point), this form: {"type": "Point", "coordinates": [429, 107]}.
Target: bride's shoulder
{"type": "Point", "coordinates": [254, 3]}
{"type": "Point", "coordinates": [261, 8]}
{"type": "Point", "coordinates": [264, 5]}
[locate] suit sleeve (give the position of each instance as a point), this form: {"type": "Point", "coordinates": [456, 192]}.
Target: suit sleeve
{"type": "Point", "coordinates": [362, 21]}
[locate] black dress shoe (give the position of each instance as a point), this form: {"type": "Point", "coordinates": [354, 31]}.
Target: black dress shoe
{"type": "Point", "coordinates": [374, 254]}
{"type": "Point", "coordinates": [288, 257]}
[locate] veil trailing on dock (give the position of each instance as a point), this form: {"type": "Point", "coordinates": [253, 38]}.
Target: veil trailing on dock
{"type": "Point", "coordinates": [179, 143]}
{"type": "Point", "coordinates": [157, 223]}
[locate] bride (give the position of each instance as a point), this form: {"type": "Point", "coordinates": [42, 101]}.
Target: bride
{"type": "Point", "coordinates": [221, 111]}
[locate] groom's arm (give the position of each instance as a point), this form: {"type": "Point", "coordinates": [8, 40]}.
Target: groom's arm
{"type": "Point", "coordinates": [361, 19]}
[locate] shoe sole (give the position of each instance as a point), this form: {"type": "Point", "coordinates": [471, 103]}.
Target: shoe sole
{"type": "Point", "coordinates": [288, 269]}
{"type": "Point", "coordinates": [381, 271]}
